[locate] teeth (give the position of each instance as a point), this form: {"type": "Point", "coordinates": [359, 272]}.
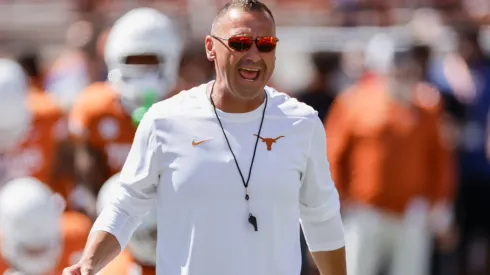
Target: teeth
{"type": "Point", "coordinates": [250, 70]}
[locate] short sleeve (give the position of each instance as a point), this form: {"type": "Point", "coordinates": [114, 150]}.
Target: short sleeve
{"type": "Point", "coordinates": [319, 200]}
{"type": "Point", "coordinates": [136, 193]}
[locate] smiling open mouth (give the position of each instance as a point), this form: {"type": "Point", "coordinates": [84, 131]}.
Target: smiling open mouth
{"type": "Point", "coordinates": [249, 74]}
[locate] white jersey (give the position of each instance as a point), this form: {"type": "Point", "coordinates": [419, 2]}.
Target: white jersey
{"type": "Point", "coordinates": [180, 160]}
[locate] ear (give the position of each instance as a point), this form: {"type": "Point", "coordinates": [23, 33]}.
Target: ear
{"type": "Point", "coordinates": [210, 50]}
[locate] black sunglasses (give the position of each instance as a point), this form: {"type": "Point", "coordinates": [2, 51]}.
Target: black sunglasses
{"type": "Point", "coordinates": [240, 43]}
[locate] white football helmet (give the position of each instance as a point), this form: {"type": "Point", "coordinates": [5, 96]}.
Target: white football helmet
{"type": "Point", "coordinates": [143, 243]}
{"type": "Point", "coordinates": [142, 31]}
{"type": "Point", "coordinates": [30, 224]}
{"type": "Point", "coordinates": [15, 117]}
{"type": "Point", "coordinates": [379, 54]}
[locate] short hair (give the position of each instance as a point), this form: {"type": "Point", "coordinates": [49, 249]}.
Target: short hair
{"type": "Point", "coordinates": [246, 5]}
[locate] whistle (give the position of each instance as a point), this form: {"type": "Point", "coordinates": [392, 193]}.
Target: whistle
{"type": "Point", "coordinates": [253, 221]}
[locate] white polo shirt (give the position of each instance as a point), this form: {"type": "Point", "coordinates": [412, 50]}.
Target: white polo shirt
{"type": "Point", "coordinates": [203, 224]}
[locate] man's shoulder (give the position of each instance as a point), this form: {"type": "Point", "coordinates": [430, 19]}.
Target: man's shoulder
{"type": "Point", "coordinates": [190, 102]}
{"type": "Point", "coordinates": [46, 112]}
{"type": "Point", "coordinates": [97, 98]}
{"type": "Point", "coordinates": [281, 104]}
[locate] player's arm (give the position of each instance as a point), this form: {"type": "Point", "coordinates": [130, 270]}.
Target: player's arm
{"type": "Point", "coordinates": [89, 163]}
{"type": "Point", "coordinates": [320, 208]}
{"type": "Point", "coordinates": [442, 175]}
{"type": "Point", "coordinates": [89, 172]}
{"type": "Point", "coordinates": [62, 172]}
{"type": "Point", "coordinates": [91, 167]}
{"type": "Point", "coordinates": [63, 164]}
{"type": "Point", "coordinates": [133, 199]}
{"type": "Point", "coordinates": [337, 127]}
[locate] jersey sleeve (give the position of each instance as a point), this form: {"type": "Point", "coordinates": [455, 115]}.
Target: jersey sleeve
{"type": "Point", "coordinates": [61, 179]}
{"type": "Point", "coordinates": [338, 129]}
{"type": "Point", "coordinates": [136, 193]}
{"type": "Point", "coordinates": [319, 200]}
{"type": "Point", "coordinates": [443, 177]}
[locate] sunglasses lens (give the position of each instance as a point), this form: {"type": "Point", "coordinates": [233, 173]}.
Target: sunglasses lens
{"type": "Point", "coordinates": [240, 43]}
{"type": "Point", "coordinates": [266, 44]}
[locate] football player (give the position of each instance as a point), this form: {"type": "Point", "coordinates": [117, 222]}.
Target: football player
{"type": "Point", "coordinates": [387, 127]}
{"type": "Point", "coordinates": [37, 235]}
{"type": "Point", "coordinates": [142, 54]}
{"type": "Point", "coordinates": [43, 153]}
{"type": "Point", "coordinates": [139, 258]}
{"type": "Point", "coordinates": [30, 129]}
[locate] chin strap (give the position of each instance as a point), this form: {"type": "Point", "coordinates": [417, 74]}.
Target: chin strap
{"type": "Point", "coordinates": [148, 100]}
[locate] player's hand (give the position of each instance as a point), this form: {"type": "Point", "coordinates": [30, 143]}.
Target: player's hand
{"type": "Point", "coordinates": [82, 268]}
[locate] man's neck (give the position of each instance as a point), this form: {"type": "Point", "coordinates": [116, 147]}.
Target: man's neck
{"type": "Point", "coordinates": [225, 101]}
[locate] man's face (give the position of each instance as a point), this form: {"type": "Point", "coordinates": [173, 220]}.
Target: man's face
{"type": "Point", "coordinates": [244, 73]}
{"type": "Point", "coordinates": [140, 83]}
{"type": "Point", "coordinates": [408, 72]}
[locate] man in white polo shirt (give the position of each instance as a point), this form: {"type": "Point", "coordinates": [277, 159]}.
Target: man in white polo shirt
{"type": "Point", "coordinates": [232, 165]}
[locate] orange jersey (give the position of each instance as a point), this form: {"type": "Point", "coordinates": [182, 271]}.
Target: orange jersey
{"type": "Point", "coordinates": [36, 155]}
{"type": "Point", "coordinates": [383, 154]}
{"type": "Point", "coordinates": [124, 264]}
{"type": "Point", "coordinates": [76, 228]}
{"type": "Point", "coordinates": [97, 119]}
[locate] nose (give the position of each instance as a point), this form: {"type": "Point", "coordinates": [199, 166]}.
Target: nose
{"type": "Point", "coordinates": [253, 54]}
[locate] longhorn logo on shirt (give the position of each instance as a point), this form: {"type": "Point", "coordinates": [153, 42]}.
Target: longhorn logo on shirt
{"type": "Point", "coordinates": [269, 141]}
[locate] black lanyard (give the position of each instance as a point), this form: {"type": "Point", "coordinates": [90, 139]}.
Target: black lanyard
{"type": "Point", "coordinates": [251, 218]}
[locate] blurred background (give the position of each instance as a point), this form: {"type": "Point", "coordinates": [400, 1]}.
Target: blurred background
{"type": "Point", "coordinates": [329, 51]}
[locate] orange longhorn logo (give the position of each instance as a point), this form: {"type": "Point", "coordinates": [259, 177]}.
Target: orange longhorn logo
{"type": "Point", "coordinates": [269, 141]}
